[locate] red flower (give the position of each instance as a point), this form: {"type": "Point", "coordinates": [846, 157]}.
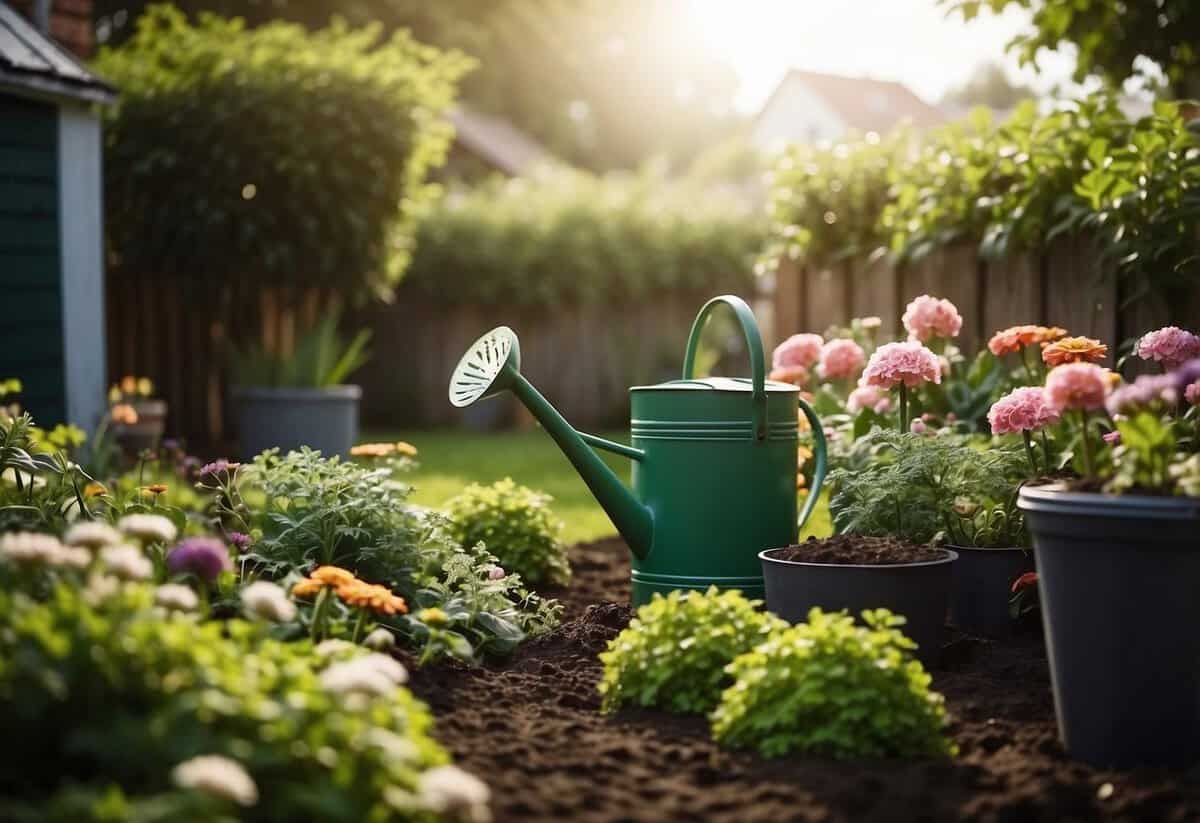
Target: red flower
{"type": "Point", "coordinates": [1024, 581]}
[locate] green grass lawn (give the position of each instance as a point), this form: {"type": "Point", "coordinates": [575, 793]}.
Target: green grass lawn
{"type": "Point", "coordinates": [451, 459]}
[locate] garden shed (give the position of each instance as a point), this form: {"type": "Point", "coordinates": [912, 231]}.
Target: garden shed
{"type": "Point", "coordinates": [51, 225]}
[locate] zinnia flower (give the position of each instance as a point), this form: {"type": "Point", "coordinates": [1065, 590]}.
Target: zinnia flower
{"type": "Point", "coordinates": [1171, 346]}
{"type": "Point", "coordinates": [1076, 386]}
{"type": "Point", "coordinates": [1021, 410]}
{"type": "Point", "coordinates": [456, 794]}
{"type": "Point", "coordinates": [927, 317]}
{"type": "Point", "coordinates": [841, 359]}
{"type": "Point", "coordinates": [1014, 338]}
{"type": "Point", "coordinates": [266, 601]}
{"type": "Point", "coordinates": [149, 528]}
{"type": "Point", "coordinates": [798, 350]}
{"type": "Point", "coordinates": [1074, 350]}
{"type": "Point", "coordinates": [92, 535]}
{"type": "Point", "coordinates": [218, 777]}
{"type": "Point", "coordinates": [1148, 390]}
{"type": "Point", "coordinates": [868, 397]}
{"type": "Point", "coordinates": [909, 363]}
{"type": "Point", "coordinates": [378, 599]}
{"type": "Point", "coordinates": [204, 557]}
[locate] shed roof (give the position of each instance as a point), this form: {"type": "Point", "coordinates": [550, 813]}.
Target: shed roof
{"type": "Point", "coordinates": [863, 103]}
{"type": "Point", "coordinates": [32, 62]}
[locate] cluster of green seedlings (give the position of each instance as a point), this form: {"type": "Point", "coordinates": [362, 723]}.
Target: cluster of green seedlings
{"type": "Point", "coordinates": [827, 687]}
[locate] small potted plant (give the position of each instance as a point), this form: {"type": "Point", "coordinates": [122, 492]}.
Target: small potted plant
{"type": "Point", "coordinates": [300, 399]}
{"type": "Point", "coordinates": [1118, 559]}
{"type": "Point", "coordinates": [138, 417]}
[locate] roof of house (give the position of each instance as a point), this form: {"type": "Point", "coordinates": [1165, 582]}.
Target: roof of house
{"type": "Point", "coordinates": [32, 62]}
{"type": "Point", "coordinates": [863, 103]}
{"type": "Point", "coordinates": [498, 142]}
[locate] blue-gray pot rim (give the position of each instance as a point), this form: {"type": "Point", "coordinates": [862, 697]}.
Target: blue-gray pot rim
{"type": "Point", "coordinates": [1056, 498]}
{"type": "Point", "coordinates": [949, 557]}
{"type": "Point", "coordinates": [292, 393]}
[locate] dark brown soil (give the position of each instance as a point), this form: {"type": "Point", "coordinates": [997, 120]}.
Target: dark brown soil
{"type": "Point", "coordinates": [858, 550]}
{"type": "Point", "coordinates": [532, 729]}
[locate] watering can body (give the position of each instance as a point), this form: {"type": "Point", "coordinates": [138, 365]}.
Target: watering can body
{"type": "Point", "coordinates": [714, 462]}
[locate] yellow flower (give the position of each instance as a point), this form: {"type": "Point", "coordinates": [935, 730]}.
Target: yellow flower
{"type": "Point", "coordinates": [93, 489]}
{"type": "Point", "coordinates": [144, 387]}
{"type": "Point", "coordinates": [333, 576]}
{"type": "Point", "coordinates": [154, 489]}
{"type": "Point", "coordinates": [406, 449]}
{"type": "Point", "coordinates": [373, 450]}
{"type": "Point", "coordinates": [433, 616]}
{"type": "Point", "coordinates": [307, 587]}
{"type": "Point", "coordinates": [370, 596]}
{"type": "Point", "coordinates": [1074, 350]}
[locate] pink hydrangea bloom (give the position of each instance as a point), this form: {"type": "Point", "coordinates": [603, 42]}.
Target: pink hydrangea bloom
{"type": "Point", "coordinates": [909, 363]}
{"type": "Point", "coordinates": [841, 358]}
{"type": "Point", "coordinates": [927, 317]}
{"type": "Point", "coordinates": [1170, 346]}
{"type": "Point", "coordinates": [1076, 386]}
{"type": "Point", "coordinates": [1021, 410]}
{"type": "Point", "coordinates": [1192, 393]}
{"type": "Point", "coordinates": [798, 350]}
{"type": "Point", "coordinates": [868, 397]}
{"type": "Point", "coordinates": [917, 426]}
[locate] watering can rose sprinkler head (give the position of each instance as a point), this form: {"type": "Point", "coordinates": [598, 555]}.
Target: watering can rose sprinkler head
{"type": "Point", "coordinates": [492, 365]}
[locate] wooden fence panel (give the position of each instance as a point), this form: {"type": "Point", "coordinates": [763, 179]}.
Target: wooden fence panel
{"type": "Point", "coordinates": [1079, 296]}
{"type": "Point", "coordinates": [875, 292]}
{"type": "Point", "coordinates": [1011, 294]}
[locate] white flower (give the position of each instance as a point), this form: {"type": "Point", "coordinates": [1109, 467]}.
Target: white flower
{"type": "Point", "coordinates": [452, 791]}
{"type": "Point", "coordinates": [267, 601]}
{"type": "Point", "coordinates": [29, 548]}
{"type": "Point", "coordinates": [149, 528]}
{"type": "Point", "coordinates": [177, 597]}
{"type": "Point", "coordinates": [371, 674]}
{"type": "Point", "coordinates": [217, 776]}
{"type": "Point", "coordinates": [127, 562]}
{"type": "Point", "coordinates": [395, 746]}
{"type": "Point", "coordinates": [99, 588]}
{"type": "Point", "coordinates": [92, 534]}
{"type": "Point", "coordinates": [72, 557]}
{"type": "Point", "coordinates": [333, 647]}
{"type": "Point", "coordinates": [380, 639]}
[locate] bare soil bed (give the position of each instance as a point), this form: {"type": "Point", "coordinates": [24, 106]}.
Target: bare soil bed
{"type": "Point", "coordinates": [531, 727]}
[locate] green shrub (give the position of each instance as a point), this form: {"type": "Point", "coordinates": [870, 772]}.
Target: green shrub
{"type": "Point", "coordinates": [831, 688]}
{"type": "Point", "coordinates": [240, 157]}
{"type": "Point", "coordinates": [674, 653]}
{"type": "Point", "coordinates": [516, 525]}
{"type": "Point", "coordinates": [574, 238]}
{"type": "Point", "coordinates": [104, 692]}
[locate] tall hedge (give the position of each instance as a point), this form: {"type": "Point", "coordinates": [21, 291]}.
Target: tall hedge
{"type": "Point", "coordinates": [271, 156]}
{"type": "Point", "coordinates": [577, 238]}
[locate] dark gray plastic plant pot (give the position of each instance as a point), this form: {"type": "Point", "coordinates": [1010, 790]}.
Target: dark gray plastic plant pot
{"type": "Point", "coordinates": [288, 418]}
{"type": "Point", "coordinates": [983, 581]}
{"type": "Point", "coordinates": [919, 591]}
{"type": "Point", "coordinates": [1117, 581]}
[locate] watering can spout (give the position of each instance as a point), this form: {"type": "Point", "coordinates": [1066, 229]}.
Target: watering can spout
{"type": "Point", "coordinates": [493, 365]}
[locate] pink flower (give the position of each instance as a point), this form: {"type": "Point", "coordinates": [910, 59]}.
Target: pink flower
{"type": "Point", "coordinates": [1021, 410]}
{"type": "Point", "coordinates": [841, 358]}
{"type": "Point", "coordinates": [868, 397]}
{"type": "Point", "coordinates": [1192, 393]}
{"type": "Point", "coordinates": [909, 363]}
{"type": "Point", "coordinates": [1076, 386]}
{"type": "Point", "coordinates": [1170, 346]}
{"type": "Point", "coordinates": [1112, 437]}
{"type": "Point", "coordinates": [917, 426]}
{"type": "Point", "coordinates": [798, 350]}
{"type": "Point", "coordinates": [927, 317]}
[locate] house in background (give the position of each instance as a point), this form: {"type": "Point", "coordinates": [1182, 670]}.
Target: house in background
{"type": "Point", "coordinates": [807, 107]}
{"type": "Point", "coordinates": [51, 219]}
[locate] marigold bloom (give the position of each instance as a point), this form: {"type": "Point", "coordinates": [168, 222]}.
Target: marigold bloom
{"type": "Point", "coordinates": [373, 450]}
{"type": "Point", "coordinates": [377, 598]}
{"type": "Point", "coordinates": [798, 350]}
{"type": "Point", "coordinates": [841, 358]}
{"type": "Point", "coordinates": [1076, 386]}
{"type": "Point", "coordinates": [307, 587]}
{"type": "Point", "coordinates": [1021, 410]}
{"type": "Point", "coordinates": [1170, 345]}
{"type": "Point", "coordinates": [909, 363]}
{"type": "Point", "coordinates": [406, 449]}
{"type": "Point", "coordinates": [927, 316]}
{"type": "Point", "coordinates": [1074, 350]}
{"type": "Point", "coordinates": [333, 576]}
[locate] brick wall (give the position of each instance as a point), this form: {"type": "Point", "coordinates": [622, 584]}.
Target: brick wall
{"type": "Point", "coordinates": [70, 24]}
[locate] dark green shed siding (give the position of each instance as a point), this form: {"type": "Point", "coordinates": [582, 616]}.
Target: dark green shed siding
{"type": "Point", "coordinates": [31, 336]}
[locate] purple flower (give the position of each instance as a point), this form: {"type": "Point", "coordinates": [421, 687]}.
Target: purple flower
{"type": "Point", "coordinates": [1187, 374]}
{"type": "Point", "coordinates": [216, 467]}
{"type": "Point", "coordinates": [1143, 392]}
{"type": "Point", "coordinates": [240, 541]}
{"type": "Point", "coordinates": [204, 557]}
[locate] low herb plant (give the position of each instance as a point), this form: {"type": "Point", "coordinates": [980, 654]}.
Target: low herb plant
{"type": "Point", "coordinates": [674, 653]}
{"type": "Point", "coordinates": [321, 358]}
{"type": "Point", "coordinates": [516, 524]}
{"type": "Point", "coordinates": [831, 688]}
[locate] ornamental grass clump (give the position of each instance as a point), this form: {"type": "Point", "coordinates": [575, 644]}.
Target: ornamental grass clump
{"type": "Point", "coordinates": [831, 688]}
{"type": "Point", "coordinates": [674, 653]}
{"type": "Point", "coordinates": [515, 524]}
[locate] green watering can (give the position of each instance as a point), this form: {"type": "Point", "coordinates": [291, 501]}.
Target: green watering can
{"type": "Point", "coordinates": [714, 461]}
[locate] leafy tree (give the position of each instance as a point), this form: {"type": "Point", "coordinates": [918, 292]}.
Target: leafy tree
{"type": "Point", "coordinates": [1110, 36]}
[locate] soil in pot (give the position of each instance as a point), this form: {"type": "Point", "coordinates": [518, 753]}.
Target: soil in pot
{"type": "Point", "coordinates": [531, 727]}
{"type": "Point", "coordinates": [856, 572]}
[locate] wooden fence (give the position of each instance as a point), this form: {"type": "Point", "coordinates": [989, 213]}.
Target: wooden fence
{"type": "Point", "coordinates": [1065, 286]}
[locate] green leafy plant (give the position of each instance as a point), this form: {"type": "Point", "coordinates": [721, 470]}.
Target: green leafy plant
{"type": "Point", "coordinates": [831, 688]}
{"type": "Point", "coordinates": [239, 157]}
{"type": "Point", "coordinates": [41, 488]}
{"type": "Point", "coordinates": [321, 358]}
{"type": "Point", "coordinates": [517, 526]}
{"type": "Point", "coordinates": [674, 653]}
{"type": "Point", "coordinates": [922, 487]}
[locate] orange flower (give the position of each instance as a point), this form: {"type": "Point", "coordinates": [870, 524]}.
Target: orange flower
{"type": "Point", "coordinates": [129, 384]}
{"type": "Point", "coordinates": [406, 449]}
{"type": "Point", "coordinates": [1014, 338]}
{"type": "Point", "coordinates": [93, 489]}
{"type": "Point", "coordinates": [154, 489]}
{"type": "Point", "coordinates": [307, 587]}
{"type": "Point", "coordinates": [1074, 350]}
{"type": "Point", "coordinates": [378, 599]}
{"type": "Point", "coordinates": [124, 413]}
{"type": "Point", "coordinates": [373, 450]}
{"type": "Point", "coordinates": [1048, 334]}
{"type": "Point", "coordinates": [333, 576]}
{"type": "Point", "coordinates": [796, 375]}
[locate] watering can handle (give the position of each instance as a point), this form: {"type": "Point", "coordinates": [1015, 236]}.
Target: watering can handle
{"type": "Point", "coordinates": [820, 461]}
{"type": "Point", "coordinates": [758, 366]}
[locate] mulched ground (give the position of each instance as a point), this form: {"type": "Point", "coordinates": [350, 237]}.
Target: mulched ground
{"type": "Point", "coordinates": [533, 730]}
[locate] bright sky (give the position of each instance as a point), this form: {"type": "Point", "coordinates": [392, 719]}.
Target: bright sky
{"type": "Point", "coordinates": [912, 41]}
